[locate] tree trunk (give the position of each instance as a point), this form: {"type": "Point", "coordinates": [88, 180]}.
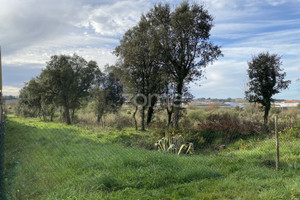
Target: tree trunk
{"type": "Point", "coordinates": [151, 110]}
{"type": "Point", "coordinates": [135, 122]}
{"type": "Point", "coordinates": [177, 104]}
{"type": "Point", "coordinates": [52, 112]}
{"type": "Point", "coordinates": [60, 113]}
{"type": "Point", "coordinates": [42, 113]}
{"type": "Point", "coordinates": [67, 114]}
{"type": "Point", "coordinates": [150, 115]}
{"type": "Point", "coordinates": [100, 115]}
{"type": "Point", "coordinates": [143, 118]}
{"type": "Point", "coordinates": [98, 118]}
{"type": "Point", "coordinates": [51, 116]}
{"type": "Point", "coordinates": [267, 109]}
{"type": "Point", "coordinates": [176, 118]}
{"type": "Point", "coordinates": [103, 121]}
{"type": "Point", "coordinates": [73, 114]}
{"type": "Point", "coordinates": [170, 112]}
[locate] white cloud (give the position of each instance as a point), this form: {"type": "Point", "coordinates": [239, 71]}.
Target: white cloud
{"type": "Point", "coordinates": [225, 78]}
{"type": "Point", "coordinates": [32, 31]}
{"type": "Point", "coordinates": [115, 19]}
{"type": "Point", "coordinates": [90, 47]}
{"type": "Point", "coordinates": [23, 23]}
{"type": "Point", "coordinates": [276, 2]}
{"type": "Point", "coordinates": [10, 90]}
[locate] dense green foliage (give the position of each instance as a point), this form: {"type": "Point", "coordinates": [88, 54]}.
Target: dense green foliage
{"type": "Point", "coordinates": [158, 58]}
{"type": "Point", "coordinates": [55, 161]}
{"type": "Point", "coordinates": [68, 83]}
{"type": "Point", "coordinates": [29, 103]}
{"type": "Point", "coordinates": [266, 80]}
{"type": "Point", "coordinates": [234, 155]}
{"type": "Point", "coordinates": [167, 48]}
{"type": "Point", "coordinates": [106, 95]}
{"type": "Point", "coordinates": [68, 80]}
{"type": "Point", "coordinates": [141, 70]}
{"type": "Point", "coordinates": [188, 50]}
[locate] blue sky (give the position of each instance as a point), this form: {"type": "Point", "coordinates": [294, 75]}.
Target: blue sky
{"type": "Point", "coordinates": [34, 30]}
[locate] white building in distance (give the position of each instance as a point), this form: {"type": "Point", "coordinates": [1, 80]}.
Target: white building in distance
{"type": "Point", "coordinates": [287, 104]}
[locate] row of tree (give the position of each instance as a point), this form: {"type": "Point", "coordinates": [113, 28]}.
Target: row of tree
{"type": "Point", "coordinates": [66, 83]}
{"type": "Point", "coordinates": [157, 59]}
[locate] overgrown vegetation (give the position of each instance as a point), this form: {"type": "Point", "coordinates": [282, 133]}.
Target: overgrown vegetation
{"type": "Point", "coordinates": [102, 156]}
{"type": "Point", "coordinates": [55, 161]}
{"type": "Point", "coordinates": [206, 128]}
{"type": "Point", "coordinates": [157, 60]}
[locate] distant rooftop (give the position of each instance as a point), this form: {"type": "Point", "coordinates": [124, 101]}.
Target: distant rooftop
{"type": "Point", "coordinates": [292, 101]}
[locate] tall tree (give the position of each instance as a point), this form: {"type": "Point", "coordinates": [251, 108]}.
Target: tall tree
{"type": "Point", "coordinates": [107, 95]}
{"type": "Point", "coordinates": [29, 102]}
{"type": "Point", "coordinates": [185, 46]}
{"type": "Point", "coordinates": [34, 100]}
{"type": "Point", "coordinates": [138, 52]}
{"type": "Point", "coordinates": [70, 79]}
{"type": "Point", "coordinates": [47, 96]}
{"type": "Point", "coordinates": [265, 79]}
{"type": "Point", "coordinates": [174, 43]}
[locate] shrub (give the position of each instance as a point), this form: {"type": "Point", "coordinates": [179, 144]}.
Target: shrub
{"type": "Point", "coordinates": [294, 130]}
{"type": "Point", "coordinates": [230, 126]}
{"type": "Point", "coordinates": [160, 132]}
{"type": "Point", "coordinates": [186, 124]}
{"type": "Point", "coordinates": [251, 112]}
{"type": "Point", "coordinates": [201, 139]}
{"type": "Point", "coordinates": [158, 123]}
{"type": "Point", "coordinates": [119, 121]}
{"type": "Point", "coordinates": [86, 118]}
{"type": "Point", "coordinates": [197, 115]}
{"type": "Point", "coordinates": [275, 111]}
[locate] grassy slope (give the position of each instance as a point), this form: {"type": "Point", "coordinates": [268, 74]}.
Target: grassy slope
{"type": "Point", "coordinates": [54, 161]}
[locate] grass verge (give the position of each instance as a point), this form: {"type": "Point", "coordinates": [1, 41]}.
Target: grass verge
{"type": "Point", "coordinates": [55, 161]}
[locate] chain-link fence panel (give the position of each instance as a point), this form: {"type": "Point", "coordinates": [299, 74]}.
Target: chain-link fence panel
{"type": "Point", "coordinates": [56, 161]}
{"type": "Point", "coordinates": [2, 184]}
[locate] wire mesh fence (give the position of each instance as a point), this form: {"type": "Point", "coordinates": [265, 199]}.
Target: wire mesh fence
{"type": "Point", "coordinates": [2, 185]}
{"type": "Point", "coordinates": [56, 161]}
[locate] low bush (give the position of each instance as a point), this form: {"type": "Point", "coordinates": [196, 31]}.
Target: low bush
{"type": "Point", "coordinates": [202, 139]}
{"type": "Point", "coordinates": [221, 128]}
{"type": "Point", "coordinates": [186, 124]}
{"type": "Point", "coordinates": [229, 124]}
{"type": "Point", "coordinates": [251, 112]}
{"type": "Point", "coordinates": [197, 115]}
{"type": "Point", "coordinates": [119, 121]}
{"type": "Point", "coordinates": [158, 123]}
{"type": "Point", "coordinates": [86, 118]}
{"type": "Point", "coordinates": [293, 131]}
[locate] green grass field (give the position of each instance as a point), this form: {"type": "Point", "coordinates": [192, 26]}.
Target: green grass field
{"type": "Point", "coordinates": [55, 161]}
